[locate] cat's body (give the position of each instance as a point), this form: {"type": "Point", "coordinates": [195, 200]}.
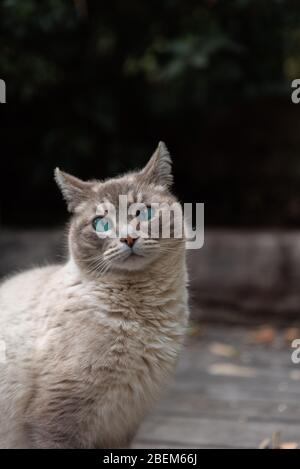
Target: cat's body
{"type": "Point", "coordinates": [86, 355]}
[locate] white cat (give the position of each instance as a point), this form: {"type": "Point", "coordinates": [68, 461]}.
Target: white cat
{"type": "Point", "coordinates": [90, 344]}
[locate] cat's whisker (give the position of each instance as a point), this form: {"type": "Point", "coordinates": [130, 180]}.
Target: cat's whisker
{"type": "Point", "coordinates": [95, 265]}
{"type": "Point", "coordinates": [122, 255]}
{"type": "Point", "coordinates": [150, 246]}
{"type": "Point", "coordinates": [115, 254]}
{"type": "Point", "coordinates": [92, 259]}
{"type": "Point", "coordinates": [103, 270]}
{"type": "Point", "coordinates": [103, 266]}
{"type": "Point", "coordinates": [167, 250]}
{"type": "Point", "coordinates": [112, 250]}
{"type": "Point", "coordinates": [95, 261]}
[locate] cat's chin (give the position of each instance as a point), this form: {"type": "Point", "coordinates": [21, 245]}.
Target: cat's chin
{"type": "Point", "coordinates": [134, 262]}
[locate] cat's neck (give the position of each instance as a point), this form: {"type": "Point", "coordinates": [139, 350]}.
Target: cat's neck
{"type": "Point", "coordinates": [160, 288]}
{"type": "Point", "coordinates": [165, 271]}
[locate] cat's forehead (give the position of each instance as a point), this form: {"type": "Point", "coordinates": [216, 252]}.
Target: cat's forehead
{"type": "Point", "coordinates": [130, 187]}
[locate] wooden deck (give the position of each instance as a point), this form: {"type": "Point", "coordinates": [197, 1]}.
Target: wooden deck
{"type": "Point", "coordinates": [234, 388]}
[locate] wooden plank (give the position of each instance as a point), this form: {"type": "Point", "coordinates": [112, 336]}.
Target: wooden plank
{"type": "Point", "coordinates": [195, 404]}
{"type": "Point", "coordinates": [206, 410]}
{"type": "Point", "coordinates": [202, 432]}
{"type": "Point", "coordinates": [232, 389]}
{"type": "Point", "coordinates": [145, 444]}
{"type": "Point", "coordinates": [197, 355]}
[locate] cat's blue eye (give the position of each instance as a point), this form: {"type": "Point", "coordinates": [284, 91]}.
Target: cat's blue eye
{"type": "Point", "coordinates": [146, 214]}
{"type": "Point", "coordinates": [101, 224]}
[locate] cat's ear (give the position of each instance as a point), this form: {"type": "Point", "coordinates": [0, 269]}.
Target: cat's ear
{"type": "Point", "coordinates": [159, 168]}
{"type": "Point", "coordinates": [74, 190]}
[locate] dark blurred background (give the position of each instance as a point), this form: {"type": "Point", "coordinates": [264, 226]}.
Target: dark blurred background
{"type": "Point", "coordinates": [94, 93]}
{"type": "Point", "coordinates": [92, 86]}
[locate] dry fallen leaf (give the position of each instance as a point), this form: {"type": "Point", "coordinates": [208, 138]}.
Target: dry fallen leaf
{"type": "Point", "coordinates": [291, 334]}
{"type": "Point", "coordinates": [276, 440]}
{"type": "Point", "coordinates": [275, 443]}
{"type": "Point", "coordinates": [228, 369]}
{"type": "Point", "coordinates": [263, 335]}
{"type": "Point", "coordinates": [222, 350]}
{"type": "Point", "coordinates": [265, 444]}
{"type": "Point", "coordinates": [195, 330]}
{"type": "Point", "coordinates": [289, 445]}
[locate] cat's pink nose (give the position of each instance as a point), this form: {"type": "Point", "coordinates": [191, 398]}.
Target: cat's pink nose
{"type": "Point", "coordinates": [129, 241]}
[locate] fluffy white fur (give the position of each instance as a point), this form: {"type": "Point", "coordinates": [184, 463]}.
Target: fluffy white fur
{"type": "Point", "coordinates": [86, 357]}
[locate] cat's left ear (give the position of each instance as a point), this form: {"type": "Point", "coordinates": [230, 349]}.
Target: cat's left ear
{"type": "Point", "coordinates": [159, 168]}
{"type": "Point", "coordinates": [74, 190]}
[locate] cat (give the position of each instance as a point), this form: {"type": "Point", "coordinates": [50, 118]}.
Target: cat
{"type": "Point", "coordinates": [90, 344]}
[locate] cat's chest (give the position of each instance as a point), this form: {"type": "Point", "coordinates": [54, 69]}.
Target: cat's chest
{"type": "Point", "coordinates": [126, 345]}
{"type": "Point", "coordinates": [127, 334]}
{"type": "Point", "coordinates": [130, 372]}
{"type": "Point", "coordinates": [135, 346]}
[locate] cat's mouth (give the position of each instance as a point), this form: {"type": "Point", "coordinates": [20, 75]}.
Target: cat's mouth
{"type": "Point", "coordinates": [133, 255]}
{"type": "Point", "coordinates": [133, 261]}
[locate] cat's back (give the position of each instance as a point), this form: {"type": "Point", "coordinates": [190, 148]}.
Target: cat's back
{"type": "Point", "coordinates": [22, 309]}
{"type": "Point", "coordinates": [17, 291]}
{"type": "Point", "coordinates": [20, 316]}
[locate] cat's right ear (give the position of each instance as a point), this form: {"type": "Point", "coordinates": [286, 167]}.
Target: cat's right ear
{"type": "Point", "coordinates": [74, 190]}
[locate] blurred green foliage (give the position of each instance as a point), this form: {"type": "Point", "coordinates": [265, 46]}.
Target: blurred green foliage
{"type": "Point", "coordinates": [94, 96]}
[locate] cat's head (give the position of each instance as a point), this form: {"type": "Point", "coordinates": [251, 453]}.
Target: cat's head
{"type": "Point", "coordinates": [104, 239]}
